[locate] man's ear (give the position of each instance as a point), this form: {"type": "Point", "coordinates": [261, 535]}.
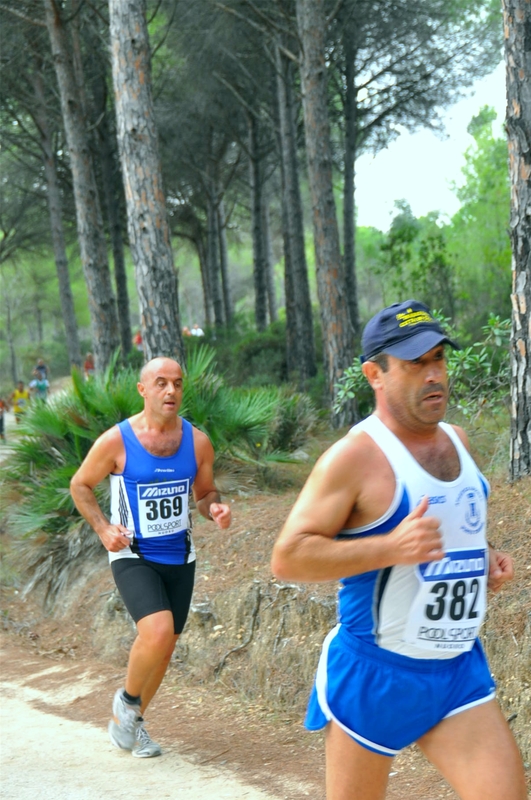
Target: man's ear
{"type": "Point", "coordinates": [373, 373]}
{"type": "Point", "coordinates": [141, 389]}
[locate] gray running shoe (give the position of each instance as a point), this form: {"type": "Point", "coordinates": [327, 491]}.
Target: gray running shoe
{"type": "Point", "coordinates": [125, 720]}
{"type": "Point", "coordinates": [145, 747]}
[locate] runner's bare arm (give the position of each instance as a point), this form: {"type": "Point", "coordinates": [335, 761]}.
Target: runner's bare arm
{"type": "Point", "coordinates": [206, 495]}
{"type": "Point", "coordinates": [306, 549]}
{"type": "Point", "coordinates": [100, 461]}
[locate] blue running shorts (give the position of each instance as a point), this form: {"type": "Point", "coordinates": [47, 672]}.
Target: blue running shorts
{"type": "Point", "coordinates": [387, 701]}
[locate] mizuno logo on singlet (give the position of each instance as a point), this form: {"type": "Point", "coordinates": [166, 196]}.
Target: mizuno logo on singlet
{"type": "Point", "coordinates": [163, 470]}
{"type": "Point", "coordinates": [161, 491]}
{"type": "Point", "coordinates": [469, 562]}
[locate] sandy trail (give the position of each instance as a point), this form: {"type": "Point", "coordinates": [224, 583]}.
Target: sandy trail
{"type": "Point", "coordinates": [51, 758]}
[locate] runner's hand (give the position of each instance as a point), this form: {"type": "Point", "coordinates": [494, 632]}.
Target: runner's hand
{"type": "Point", "coordinates": [221, 514]}
{"type": "Point", "coordinates": [115, 538]}
{"type": "Point", "coordinates": [501, 569]}
{"type": "Point", "coordinates": [418, 538]}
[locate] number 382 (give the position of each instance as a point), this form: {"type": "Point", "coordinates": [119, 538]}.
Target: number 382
{"type": "Point", "coordinates": [458, 604]}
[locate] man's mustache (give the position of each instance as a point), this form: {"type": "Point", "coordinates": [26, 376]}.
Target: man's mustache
{"type": "Point", "coordinates": [434, 389]}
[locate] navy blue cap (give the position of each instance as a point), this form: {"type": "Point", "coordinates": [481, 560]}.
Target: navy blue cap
{"type": "Point", "coordinates": [404, 330]}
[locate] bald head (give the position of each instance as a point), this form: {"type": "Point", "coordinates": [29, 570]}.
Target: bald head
{"type": "Point", "coordinates": [158, 366]}
{"type": "Point", "coordinates": [161, 386]}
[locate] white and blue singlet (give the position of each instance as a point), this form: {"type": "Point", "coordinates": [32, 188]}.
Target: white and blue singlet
{"type": "Point", "coordinates": [405, 653]}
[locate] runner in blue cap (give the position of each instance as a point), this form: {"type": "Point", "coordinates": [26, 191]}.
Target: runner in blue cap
{"type": "Point", "coordinates": [397, 512]}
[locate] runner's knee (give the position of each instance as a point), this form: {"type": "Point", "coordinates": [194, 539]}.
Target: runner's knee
{"type": "Point", "coordinates": [157, 631]}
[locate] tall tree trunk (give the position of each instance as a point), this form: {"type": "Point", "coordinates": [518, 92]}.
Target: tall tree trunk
{"type": "Point", "coordinates": [104, 323]}
{"type": "Point", "coordinates": [349, 218]}
{"type": "Point", "coordinates": [111, 183]}
{"type": "Point", "coordinates": [53, 197]}
{"type": "Point", "coordinates": [331, 285]}
{"type": "Point", "coordinates": [259, 256]}
{"type": "Point", "coordinates": [213, 256]}
{"type": "Point", "coordinates": [11, 345]}
{"type": "Point", "coordinates": [299, 317]}
{"type": "Point", "coordinates": [517, 27]}
{"type": "Point", "coordinates": [224, 264]}
{"type": "Point", "coordinates": [269, 260]}
{"type": "Point", "coordinates": [149, 235]}
{"type": "Point", "coordinates": [112, 194]}
{"type": "Point", "coordinates": [292, 345]}
{"type": "Point", "coordinates": [205, 278]}
{"type": "Point", "coordinates": [38, 319]}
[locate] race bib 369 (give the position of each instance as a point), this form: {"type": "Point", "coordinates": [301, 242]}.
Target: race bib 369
{"type": "Point", "coordinates": [163, 507]}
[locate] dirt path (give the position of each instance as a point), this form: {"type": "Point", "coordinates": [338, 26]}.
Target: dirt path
{"type": "Point", "coordinates": [46, 756]}
{"type": "Point", "coordinates": [53, 741]}
{"type": "Point", "coordinates": [56, 759]}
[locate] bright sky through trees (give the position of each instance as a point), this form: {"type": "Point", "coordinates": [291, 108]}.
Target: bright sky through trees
{"type": "Point", "coordinates": [420, 168]}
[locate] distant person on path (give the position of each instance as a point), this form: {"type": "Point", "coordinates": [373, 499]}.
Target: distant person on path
{"type": "Point", "coordinates": [41, 370]}
{"type": "Point", "coordinates": [89, 368]}
{"type": "Point", "coordinates": [39, 387]}
{"type": "Point", "coordinates": [156, 461]}
{"type": "Point", "coordinates": [397, 511]}
{"type": "Point", "coordinates": [3, 409]}
{"type": "Point", "coordinates": [137, 341]}
{"type": "Point", "coordinates": [20, 399]}
{"type": "Point", "coordinates": [196, 330]}
{"type": "Point", "coordinates": [187, 331]}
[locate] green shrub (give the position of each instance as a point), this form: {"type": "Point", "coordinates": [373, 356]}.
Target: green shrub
{"type": "Point", "coordinates": [296, 417]}
{"type": "Point", "coordinates": [479, 375]}
{"type": "Point", "coordinates": [249, 358]}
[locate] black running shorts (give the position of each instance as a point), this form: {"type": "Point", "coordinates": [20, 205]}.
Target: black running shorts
{"type": "Point", "coordinates": [147, 587]}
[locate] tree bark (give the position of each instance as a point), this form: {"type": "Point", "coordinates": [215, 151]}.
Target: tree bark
{"type": "Point", "coordinates": [112, 193]}
{"type": "Point", "coordinates": [213, 256]}
{"type": "Point", "coordinates": [517, 27]}
{"type": "Point", "coordinates": [149, 235]}
{"type": "Point", "coordinates": [349, 207]}
{"type": "Point", "coordinates": [331, 285]}
{"type": "Point", "coordinates": [289, 293]}
{"type": "Point", "coordinates": [269, 261]}
{"type": "Point", "coordinates": [55, 210]}
{"type": "Point", "coordinates": [110, 179]}
{"type": "Point", "coordinates": [205, 278]}
{"type": "Point", "coordinates": [299, 316]}
{"type": "Point", "coordinates": [11, 345]}
{"type": "Point", "coordinates": [259, 254]}
{"type": "Point", "coordinates": [104, 323]}
{"type": "Point", "coordinates": [224, 264]}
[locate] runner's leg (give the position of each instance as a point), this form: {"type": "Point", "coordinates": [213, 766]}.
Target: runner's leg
{"type": "Point", "coordinates": [155, 678]}
{"type": "Point", "coordinates": [477, 754]}
{"type": "Point", "coordinates": [352, 771]}
{"type": "Point", "coordinates": [150, 654]}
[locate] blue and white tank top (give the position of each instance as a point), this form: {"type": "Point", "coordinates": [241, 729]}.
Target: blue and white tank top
{"type": "Point", "coordinates": [435, 609]}
{"type": "Point", "coordinates": [151, 498]}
